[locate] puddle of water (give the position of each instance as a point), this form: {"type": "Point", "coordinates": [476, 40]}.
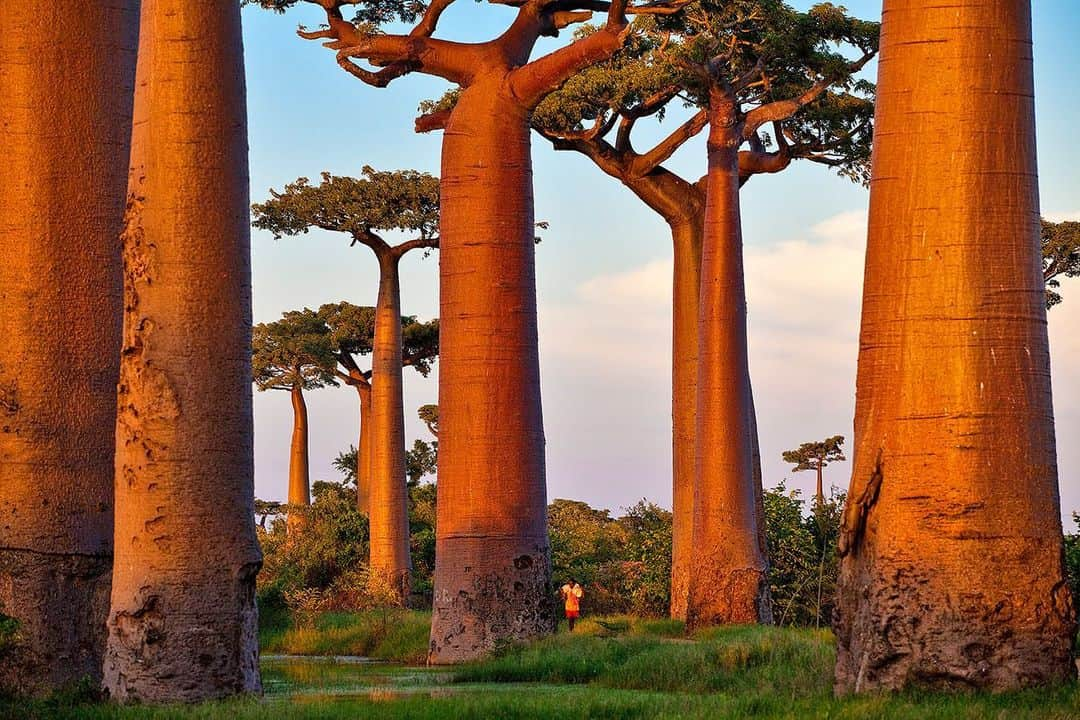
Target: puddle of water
{"type": "Point", "coordinates": [306, 676]}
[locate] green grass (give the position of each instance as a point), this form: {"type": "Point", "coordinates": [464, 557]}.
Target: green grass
{"type": "Point", "coordinates": [392, 635]}
{"type": "Point", "coordinates": [610, 670]}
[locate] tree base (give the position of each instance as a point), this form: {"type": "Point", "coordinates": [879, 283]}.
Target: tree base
{"type": "Point", "coordinates": [489, 593]}
{"type": "Point", "coordinates": [733, 597]}
{"type": "Point", "coordinates": [899, 629]}
{"type": "Point", "coordinates": [184, 639]}
{"type": "Point", "coordinates": [60, 602]}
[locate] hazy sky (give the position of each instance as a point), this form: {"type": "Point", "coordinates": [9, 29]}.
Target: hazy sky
{"type": "Point", "coordinates": [604, 271]}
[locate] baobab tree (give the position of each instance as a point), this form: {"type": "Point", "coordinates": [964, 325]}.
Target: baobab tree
{"type": "Point", "coordinates": [816, 456]}
{"type": "Point", "coordinates": [595, 114]}
{"type": "Point", "coordinates": [64, 137]}
{"type": "Point", "coordinates": [403, 200]}
{"type": "Point", "coordinates": [748, 66]}
{"type": "Point", "coordinates": [1061, 256]}
{"type": "Point", "coordinates": [295, 354]}
{"type": "Point", "coordinates": [352, 328]}
{"type": "Point", "coordinates": [182, 625]}
{"type": "Point", "coordinates": [951, 572]}
{"type": "Point", "coordinates": [429, 415]}
{"type": "Point", "coordinates": [493, 569]}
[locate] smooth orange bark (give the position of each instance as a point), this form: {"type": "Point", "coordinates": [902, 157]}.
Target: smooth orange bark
{"type": "Point", "coordinates": [182, 625]}
{"type": "Point", "coordinates": [363, 451]}
{"type": "Point", "coordinates": [299, 465]}
{"type": "Point", "coordinates": [66, 82]}
{"type": "Point", "coordinates": [729, 582]}
{"type": "Point", "coordinates": [952, 550]}
{"type": "Point", "coordinates": [388, 511]}
{"type": "Point", "coordinates": [491, 564]}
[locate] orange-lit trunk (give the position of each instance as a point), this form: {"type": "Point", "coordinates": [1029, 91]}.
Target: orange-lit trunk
{"type": "Point", "coordinates": [492, 571]}
{"type": "Point", "coordinates": [952, 549]}
{"type": "Point", "coordinates": [389, 503]}
{"type": "Point", "coordinates": [363, 452]}
{"type": "Point", "coordinates": [66, 79]}
{"type": "Point", "coordinates": [729, 584]}
{"type": "Point", "coordinates": [299, 465]}
{"type": "Point", "coordinates": [687, 240]}
{"type": "Point", "coordinates": [182, 626]}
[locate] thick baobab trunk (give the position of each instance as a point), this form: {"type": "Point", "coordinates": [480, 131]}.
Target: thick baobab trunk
{"type": "Point", "coordinates": [952, 550]}
{"type": "Point", "coordinates": [363, 452]}
{"type": "Point", "coordinates": [492, 571]}
{"type": "Point", "coordinates": [299, 465]}
{"type": "Point", "coordinates": [729, 584]}
{"type": "Point", "coordinates": [686, 288]}
{"type": "Point", "coordinates": [182, 626]}
{"type": "Point", "coordinates": [66, 79]}
{"type": "Point", "coordinates": [389, 503]}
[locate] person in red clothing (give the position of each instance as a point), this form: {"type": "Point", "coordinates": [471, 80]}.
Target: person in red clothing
{"type": "Point", "coordinates": [572, 593]}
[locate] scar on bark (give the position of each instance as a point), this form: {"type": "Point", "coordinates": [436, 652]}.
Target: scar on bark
{"type": "Point", "coordinates": [851, 533]}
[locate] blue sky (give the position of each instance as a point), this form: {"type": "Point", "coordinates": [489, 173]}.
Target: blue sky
{"type": "Point", "coordinates": [604, 270]}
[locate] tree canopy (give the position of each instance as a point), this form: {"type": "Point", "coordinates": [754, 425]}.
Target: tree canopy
{"type": "Point", "coordinates": [296, 352]}
{"type": "Point", "coordinates": [816, 455]}
{"type": "Point", "coordinates": [429, 415]}
{"type": "Point", "coordinates": [352, 332]}
{"type": "Point", "coordinates": [785, 68]}
{"type": "Point", "coordinates": [404, 200]}
{"type": "Point", "coordinates": [1061, 256]}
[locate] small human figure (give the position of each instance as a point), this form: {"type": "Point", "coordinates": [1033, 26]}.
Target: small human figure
{"type": "Point", "coordinates": [572, 593]}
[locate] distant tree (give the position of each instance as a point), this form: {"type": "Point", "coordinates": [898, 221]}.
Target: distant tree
{"type": "Point", "coordinates": [265, 509]}
{"type": "Point", "coordinates": [1061, 256]}
{"type": "Point", "coordinates": [352, 328]}
{"type": "Point", "coordinates": [596, 114]}
{"type": "Point", "coordinates": [816, 456]}
{"type": "Point", "coordinates": [421, 460]}
{"type": "Point", "coordinates": [361, 208]}
{"type": "Point", "coordinates": [429, 415]}
{"type": "Point", "coordinates": [295, 354]}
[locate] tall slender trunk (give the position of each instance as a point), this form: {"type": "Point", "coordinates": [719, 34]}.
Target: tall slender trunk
{"type": "Point", "coordinates": [389, 503]}
{"type": "Point", "coordinates": [755, 471]}
{"type": "Point", "coordinates": [299, 465]}
{"type": "Point", "coordinates": [686, 289]}
{"type": "Point", "coordinates": [729, 584]}
{"type": "Point", "coordinates": [64, 139]}
{"type": "Point", "coordinates": [492, 568]}
{"type": "Point", "coordinates": [363, 452]}
{"type": "Point", "coordinates": [182, 626]}
{"type": "Point", "coordinates": [819, 492]}
{"type": "Point", "coordinates": [952, 550]}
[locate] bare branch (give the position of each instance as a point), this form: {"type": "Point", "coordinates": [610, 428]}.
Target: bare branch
{"type": "Point", "coordinates": [666, 148]}
{"type": "Point", "coordinates": [405, 247]}
{"type": "Point", "coordinates": [432, 121]}
{"type": "Point", "coordinates": [783, 109]}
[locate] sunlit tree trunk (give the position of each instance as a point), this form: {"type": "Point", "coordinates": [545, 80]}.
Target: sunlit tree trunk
{"type": "Point", "coordinates": [363, 452]}
{"type": "Point", "coordinates": [952, 549]}
{"type": "Point", "coordinates": [729, 583]}
{"type": "Point", "coordinates": [182, 626]}
{"type": "Point", "coordinates": [299, 464]}
{"type": "Point", "coordinates": [492, 570]}
{"type": "Point", "coordinates": [66, 81]}
{"type": "Point", "coordinates": [388, 509]}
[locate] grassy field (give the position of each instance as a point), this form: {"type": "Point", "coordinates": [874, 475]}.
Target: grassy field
{"type": "Point", "coordinates": [612, 668]}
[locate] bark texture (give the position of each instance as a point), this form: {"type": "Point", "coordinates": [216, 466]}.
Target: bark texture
{"type": "Point", "coordinates": [492, 569]}
{"type": "Point", "coordinates": [299, 466]}
{"type": "Point", "coordinates": [952, 549]}
{"type": "Point", "coordinates": [388, 511]}
{"type": "Point", "coordinates": [730, 583]}
{"type": "Point", "coordinates": [182, 626]}
{"type": "Point", "coordinates": [64, 139]}
{"type": "Point", "coordinates": [363, 451]}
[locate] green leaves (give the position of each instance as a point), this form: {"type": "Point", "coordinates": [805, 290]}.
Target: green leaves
{"type": "Point", "coordinates": [294, 352]}
{"type": "Point", "coordinates": [1061, 256]}
{"type": "Point", "coordinates": [811, 455]}
{"type": "Point", "coordinates": [405, 200]}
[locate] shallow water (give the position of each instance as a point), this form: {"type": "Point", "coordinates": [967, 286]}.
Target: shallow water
{"type": "Point", "coordinates": [297, 675]}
